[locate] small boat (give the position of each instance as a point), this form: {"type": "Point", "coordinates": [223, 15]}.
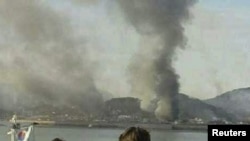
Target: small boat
{"type": "Point", "coordinates": [21, 133]}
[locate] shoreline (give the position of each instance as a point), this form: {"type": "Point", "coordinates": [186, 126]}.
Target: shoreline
{"type": "Point", "coordinates": [120, 125]}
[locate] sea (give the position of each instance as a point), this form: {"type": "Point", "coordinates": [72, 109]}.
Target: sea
{"type": "Point", "coordinates": [103, 134]}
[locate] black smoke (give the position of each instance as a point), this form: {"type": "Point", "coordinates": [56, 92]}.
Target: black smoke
{"type": "Point", "coordinates": [160, 24]}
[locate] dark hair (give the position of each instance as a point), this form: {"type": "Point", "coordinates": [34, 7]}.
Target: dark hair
{"type": "Point", "coordinates": [57, 139]}
{"type": "Point", "coordinates": [135, 134]}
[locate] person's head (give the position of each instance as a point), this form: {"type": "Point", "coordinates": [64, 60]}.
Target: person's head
{"type": "Point", "coordinates": [57, 139]}
{"type": "Point", "coordinates": [135, 134]}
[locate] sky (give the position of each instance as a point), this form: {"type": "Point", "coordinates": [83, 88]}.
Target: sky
{"type": "Point", "coordinates": [215, 60]}
{"type": "Point", "coordinates": [215, 4]}
{"type": "Point", "coordinates": [217, 57]}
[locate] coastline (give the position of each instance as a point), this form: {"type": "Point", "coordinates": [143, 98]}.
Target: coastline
{"type": "Point", "coordinates": [121, 125]}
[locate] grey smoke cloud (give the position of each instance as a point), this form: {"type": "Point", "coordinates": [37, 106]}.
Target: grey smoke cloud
{"type": "Point", "coordinates": [46, 62]}
{"type": "Point", "coordinates": [160, 21]}
{"type": "Point", "coordinates": [49, 63]}
{"type": "Point", "coordinates": [84, 1]}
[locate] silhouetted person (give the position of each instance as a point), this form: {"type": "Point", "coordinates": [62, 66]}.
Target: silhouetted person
{"type": "Point", "coordinates": [135, 134]}
{"type": "Point", "coordinates": [57, 139]}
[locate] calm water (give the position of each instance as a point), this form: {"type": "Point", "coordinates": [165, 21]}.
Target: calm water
{"type": "Point", "coordinates": [92, 134]}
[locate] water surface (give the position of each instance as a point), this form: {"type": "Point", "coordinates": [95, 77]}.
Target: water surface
{"type": "Point", "coordinates": [94, 134]}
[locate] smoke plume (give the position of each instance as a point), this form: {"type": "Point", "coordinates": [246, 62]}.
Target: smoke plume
{"type": "Point", "coordinates": [152, 75]}
{"type": "Point", "coordinates": [84, 1]}
{"type": "Point", "coordinates": [42, 59]}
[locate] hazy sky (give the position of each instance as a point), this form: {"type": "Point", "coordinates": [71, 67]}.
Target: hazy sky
{"type": "Point", "coordinates": [216, 59]}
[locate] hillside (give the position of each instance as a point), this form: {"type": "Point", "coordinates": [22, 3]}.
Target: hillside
{"type": "Point", "coordinates": [236, 102]}
{"type": "Point", "coordinates": [191, 108]}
